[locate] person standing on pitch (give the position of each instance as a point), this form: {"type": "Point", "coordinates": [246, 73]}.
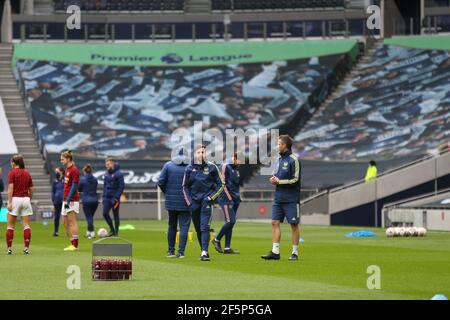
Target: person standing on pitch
{"type": "Point", "coordinates": [113, 188]}
{"type": "Point", "coordinates": [286, 204]}
{"type": "Point", "coordinates": [171, 183]}
{"type": "Point", "coordinates": [71, 199]}
{"type": "Point", "coordinates": [88, 187]}
{"type": "Point", "coordinates": [229, 200]}
{"type": "Point", "coordinates": [202, 185]}
{"type": "Point", "coordinates": [20, 192]}
{"type": "Point", "coordinates": [57, 197]}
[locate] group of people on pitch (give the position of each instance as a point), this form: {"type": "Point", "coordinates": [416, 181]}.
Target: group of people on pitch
{"type": "Point", "coordinates": [192, 186]}
{"type": "Point", "coordinates": [65, 197]}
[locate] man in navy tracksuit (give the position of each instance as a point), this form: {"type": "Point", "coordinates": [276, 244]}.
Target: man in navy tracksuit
{"type": "Point", "coordinates": [57, 197]}
{"type": "Point", "coordinates": [112, 190]}
{"type": "Point", "coordinates": [229, 200]}
{"type": "Point", "coordinates": [88, 186]}
{"type": "Point", "coordinates": [171, 183]}
{"type": "Point", "coordinates": [202, 185]}
{"type": "Point", "coordinates": [287, 198]}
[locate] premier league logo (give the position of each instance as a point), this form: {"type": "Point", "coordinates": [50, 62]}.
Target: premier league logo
{"type": "Point", "coordinates": [171, 58]}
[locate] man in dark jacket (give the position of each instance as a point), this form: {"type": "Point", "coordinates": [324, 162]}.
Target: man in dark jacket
{"type": "Point", "coordinates": [286, 204]}
{"type": "Point", "coordinates": [229, 201]}
{"type": "Point", "coordinates": [202, 185]}
{"type": "Point", "coordinates": [88, 188]}
{"type": "Point", "coordinates": [113, 188]}
{"type": "Point", "coordinates": [171, 183]}
{"type": "Point", "coordinates": [57, 197]}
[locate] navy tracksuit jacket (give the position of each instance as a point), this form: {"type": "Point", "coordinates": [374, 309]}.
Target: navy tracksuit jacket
{"type": "Point", "coordinates": [201, 181]}
{"type": "Point", "coordinates": [113, 188]}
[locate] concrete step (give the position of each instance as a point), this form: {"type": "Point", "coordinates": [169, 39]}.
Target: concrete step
{"type": "Point", "coordinates": [34, 161]}
{"type": "Point", "coordinates": [8, 84]}
{"type": "Point", "coordinates": [28, 150]}
{"type": "Point", "coordinates": [10, 91]}
{"type": "Point", "coordinates": [20, 140]}
{"type": "Point", "coordinates": [18, 121]}
{"type": "Point", "coordinates": [41, 177]}
{"type": "Point", "coordinates": [12, 101]}
{"type": "Point", "coordinates": [27, 136]}
{"type": "Point", "coordinates": [19, 126]}
{"type": "Point", "coordinates": [46, 188]}
{"type": "Point", "coordinates": [41, 181]}
{"type": "Point", "coordinates": [30, 146]}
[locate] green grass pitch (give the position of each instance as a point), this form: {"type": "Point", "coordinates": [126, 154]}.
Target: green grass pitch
{"type": "Point", "coordinates": [331, 266]}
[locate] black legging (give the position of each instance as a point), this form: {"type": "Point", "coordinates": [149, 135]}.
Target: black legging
{"type": "Point", "coordinates": [58, 207]}
{"type": "Point", "coordinates": [89, 211]}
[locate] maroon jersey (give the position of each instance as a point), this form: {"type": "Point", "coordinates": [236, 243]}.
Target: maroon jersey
{"type": "Point", "coordinates": [21, 179]}
{"type": "Point", "coordinates": [72, 176]}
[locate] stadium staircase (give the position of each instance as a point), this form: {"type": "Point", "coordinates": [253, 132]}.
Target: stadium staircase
{"type": "Point", "coordinates": [21, 128]}
{"type": "Point", "coordinates": [197, 6]}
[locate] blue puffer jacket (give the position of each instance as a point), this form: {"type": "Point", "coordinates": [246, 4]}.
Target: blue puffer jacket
{"type": "Point", "coordinates": [171, 183]}
{"type": "Point", "coordinates": [288, 172]}
{"type": "Point", "coordinates": [114, 184]}
{"type": "Point", "coordinates": [88, 186]}
{"type": "Point", "coordinates": [232, 179]}
{"type": "Point", "coordinates": [201, 181]}
{"type": "Point", "coordinates": [57, 191]}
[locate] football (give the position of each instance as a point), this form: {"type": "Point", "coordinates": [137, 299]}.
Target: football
{"type": "Point", "coordinates": [390, 232]}
{"type": "Point", "coordinates": [422, 232]}
{"type": "Point", "coordinates": [102, 232]}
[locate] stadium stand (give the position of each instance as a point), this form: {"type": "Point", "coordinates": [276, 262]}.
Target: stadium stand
{"type": "Point", "coordinates": [399, 123]}
{"type": "Point", "coordinates": [270, 5]}
{"type": "Point", "coordinates": [121, 5]}
{"type": "Point", "coordinates": [126, 112]}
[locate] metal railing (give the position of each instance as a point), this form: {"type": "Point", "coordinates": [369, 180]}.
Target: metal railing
{"type": "Point", "coordinates": [212, 31]}
{"type": "Point", "coordinates": [419, 197]}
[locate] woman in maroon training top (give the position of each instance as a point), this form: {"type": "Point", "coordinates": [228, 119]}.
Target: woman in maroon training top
{"type": "Point", "coordinates": [20, 191]}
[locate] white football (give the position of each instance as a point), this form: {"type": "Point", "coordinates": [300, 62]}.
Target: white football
{"type": "Point", "coordinates": [102, 232]}
{"type": "Point", "coordinates": [390, 232]}
{"type": "Point", "coordinates": [402, 232]}
{"type": "Point", "coordinates": [396, 232]}
{"type": "Point", "coordinates": [422, 232]}
{"type": "Point", "coordinates": [415, 231]}
{"type": "Point", "coordinates": [410, 231]}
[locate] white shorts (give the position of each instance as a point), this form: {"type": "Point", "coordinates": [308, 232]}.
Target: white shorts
{"type": "Point", "coordinates": [21, 207]}
{"type": "Point", "coordinates": [74, 206]}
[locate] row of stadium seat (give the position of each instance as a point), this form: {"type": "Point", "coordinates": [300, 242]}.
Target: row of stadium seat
{"type": "Point", "coordinates": [226, 5]}
{"type": "Point", "coordinates": [121, 5]}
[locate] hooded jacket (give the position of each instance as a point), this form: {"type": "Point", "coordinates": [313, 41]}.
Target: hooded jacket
{"type": "Point", "coordinates": [201, 181]}
{"type": "Point", "coordinates": [171, 183]}
{"type": "Point", "coordinates": [88, 186]}
{"type": "Point", "coordinates": [114, 184]}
